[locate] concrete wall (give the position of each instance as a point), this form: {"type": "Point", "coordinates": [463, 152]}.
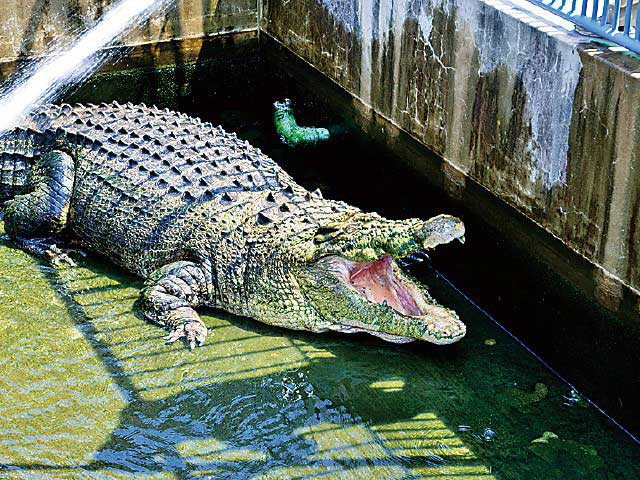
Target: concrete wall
{"type": "Point", "coordinates": [29, 25]}
{"type": "Point", "coordinates": [511, 100]}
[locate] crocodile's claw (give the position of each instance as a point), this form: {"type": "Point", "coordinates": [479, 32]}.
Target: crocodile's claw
{"type": "Point", "coordinates": [48, 250]}
{"type": "Point", "coordinates": [194, 333]}
{"type": "Point", "coordinates": [58, 257]}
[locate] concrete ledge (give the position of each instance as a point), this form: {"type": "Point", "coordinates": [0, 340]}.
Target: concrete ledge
{"type": "Point", "coordinates": [29, 26]}
{"type": "Point", "coordinates": [511, 99]}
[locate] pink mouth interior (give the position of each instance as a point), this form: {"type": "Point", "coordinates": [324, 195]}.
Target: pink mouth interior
{"type": "Point", "coordinates": [377, 283]}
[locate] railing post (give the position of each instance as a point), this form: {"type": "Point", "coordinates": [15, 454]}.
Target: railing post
{"type": "Point", "coordinates": [602, 19]}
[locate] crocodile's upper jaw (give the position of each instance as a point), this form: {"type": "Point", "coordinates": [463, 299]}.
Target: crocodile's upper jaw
{"type": "Point", "coordinates": [384, 302]}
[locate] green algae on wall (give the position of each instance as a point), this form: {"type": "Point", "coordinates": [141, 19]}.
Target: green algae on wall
{"type": "Point", "coordinates": [29, 26]}
{"type": "Point", "coordinates": [196, 76]}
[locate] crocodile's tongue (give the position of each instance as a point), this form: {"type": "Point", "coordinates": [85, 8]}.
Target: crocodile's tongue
{"type": "Point", "coordinates": [377, 283]}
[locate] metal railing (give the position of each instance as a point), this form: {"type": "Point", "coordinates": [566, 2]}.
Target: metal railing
{"type": "Point", "coordinates": [614, 20]}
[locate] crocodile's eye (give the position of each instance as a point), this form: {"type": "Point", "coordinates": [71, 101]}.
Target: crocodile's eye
{"type": "Point", "coordinates": [324, 234]}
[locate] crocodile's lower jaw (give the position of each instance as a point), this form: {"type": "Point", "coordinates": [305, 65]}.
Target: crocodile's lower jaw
{"type": "Point", "coordinates": [357, 327]}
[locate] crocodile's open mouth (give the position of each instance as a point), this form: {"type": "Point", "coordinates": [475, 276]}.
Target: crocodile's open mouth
{"type": "Point", "coordinates": [382, 284]}
{"type": "Point", "coordinates": [378, 283]}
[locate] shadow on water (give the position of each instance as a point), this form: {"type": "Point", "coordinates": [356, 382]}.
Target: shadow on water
{"type": "Point", "coordinates": [237, 422]}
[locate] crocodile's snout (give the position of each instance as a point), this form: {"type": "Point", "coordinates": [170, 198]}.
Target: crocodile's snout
{"type": "Point", "coordinates": [355, 285]}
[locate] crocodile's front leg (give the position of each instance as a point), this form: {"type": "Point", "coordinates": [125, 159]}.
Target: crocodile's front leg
{"type": "Point", "coordinates": [170, 297]}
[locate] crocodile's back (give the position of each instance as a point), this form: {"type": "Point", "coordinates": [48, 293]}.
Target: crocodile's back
{"type": "Point", "coordinates": [139, 170]}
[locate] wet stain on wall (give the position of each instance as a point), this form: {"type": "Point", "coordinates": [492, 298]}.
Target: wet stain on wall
{"type": "Point", "coordinates": [30, 26]}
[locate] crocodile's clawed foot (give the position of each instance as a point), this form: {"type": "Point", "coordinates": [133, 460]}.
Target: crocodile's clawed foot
{"type": "Point", "coordinates": [169, 297]}
{"type": "Point", "coordinates": [194, 333]}
{"type": "Point", "coordinates": [48, 250]}
{"type": "Point", "coordinates": [58, 257]}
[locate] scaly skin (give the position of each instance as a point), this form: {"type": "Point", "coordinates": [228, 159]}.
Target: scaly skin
{"type": "Point", "coordinates": [209, 220]}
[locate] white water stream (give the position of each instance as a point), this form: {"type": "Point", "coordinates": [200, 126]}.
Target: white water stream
{"type": "Point", "coordinates": [68, 65]}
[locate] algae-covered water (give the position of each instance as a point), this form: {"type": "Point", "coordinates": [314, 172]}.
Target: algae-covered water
{"type": "Point", "coordinates": [89, 390]}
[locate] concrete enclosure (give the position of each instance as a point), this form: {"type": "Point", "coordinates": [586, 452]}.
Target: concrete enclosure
{"type": "Point", "coordinates": [511, 100]}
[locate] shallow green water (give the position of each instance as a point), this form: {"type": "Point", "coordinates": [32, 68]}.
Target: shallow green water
{"type": "Point", "coordinates": [90, 390]}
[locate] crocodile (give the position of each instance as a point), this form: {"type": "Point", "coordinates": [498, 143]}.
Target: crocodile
{"type": "Point", "coordinates": [210, 221]}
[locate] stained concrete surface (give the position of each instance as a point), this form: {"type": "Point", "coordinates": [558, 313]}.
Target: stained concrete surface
{"type": "Point", "coordinates": [535, 114]}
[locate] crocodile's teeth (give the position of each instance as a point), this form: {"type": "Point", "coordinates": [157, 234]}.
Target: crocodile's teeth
{"type": "Point", "coordinates": [422, 254]}
{"type": "Point", "coordinates": [461, 239]}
